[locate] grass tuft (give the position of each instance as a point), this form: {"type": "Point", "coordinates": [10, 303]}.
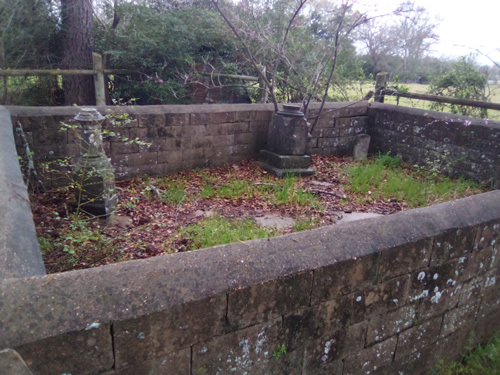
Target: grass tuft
{"type": "Point", "coordinates": [219, 230]}
{"type": "Point", "coordinates": [384, 178]}
{"type": "Point", "coordinates": [483, 360]}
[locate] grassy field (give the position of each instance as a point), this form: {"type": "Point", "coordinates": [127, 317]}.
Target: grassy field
{"type": "Point", "coordinates": [422, 104]}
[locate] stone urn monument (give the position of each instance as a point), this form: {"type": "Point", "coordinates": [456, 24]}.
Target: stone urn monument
{"type": "Point", "coordinates": [288, 144]}
{"type": "Point", "coordinates": [94, 175]}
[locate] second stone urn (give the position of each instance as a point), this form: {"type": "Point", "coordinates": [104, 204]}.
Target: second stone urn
{"type": "Point", "coordinates": [288, 144]}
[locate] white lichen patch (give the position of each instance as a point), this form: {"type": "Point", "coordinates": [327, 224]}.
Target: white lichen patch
{"type": "Point", "coordinates": [421, 276]}
{"type": "Point", "coordinates": [326, 350]}
{"type": "Point", "coordinates": [94, 325]}
{"type": "Point", "coordinates": [437, 295]}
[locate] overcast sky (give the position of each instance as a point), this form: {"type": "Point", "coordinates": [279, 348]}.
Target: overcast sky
{"type": "Point", "coordinates": [464, 25]}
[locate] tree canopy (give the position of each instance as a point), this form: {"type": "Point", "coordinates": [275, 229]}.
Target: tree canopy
{"type": "Point", "coordinates": [193, 51]}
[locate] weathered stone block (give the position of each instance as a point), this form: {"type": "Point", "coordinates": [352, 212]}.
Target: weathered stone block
{"type": "Point", "coordinates": [382, 297]}
{"type": "Point", "coordinates": [404, 259]}
{"type": "Point", "coordinates": [342, 278]}
{"type": "Point", "coordinates": [177, 119]}
{"type": "Point", "coordinates": [259, 127]}
{"type": "Point", "coordinates": [83, 352]}
{"type": "Point", "coordinates": [388, 324]}
{"type": "Point", "coordinates": [213, 118]}
{"type": "Point", "coordinates": [285, 161]}
{"type": "Point", "coordinates": [332, 346]}
{"type": "Point", "coordinates": [231, 128]}
{"type": "Point", "coordinates": [11, 363]}
{"type": "Point", "coordinates": [249, 351]}
{"type": "Point", "coordinates": [118, 148]}
{"type": "Point", "coordinates": [140, 158]}
{"type": "Point", "coordinates": [312, 327]}
{"type": "Point", "coordinates": [371, 359]}
{"type": "Point", "coordinates": [263, 302]}
{"type": "Point", "coordinates": [460, 318]}
{"type": "Point", "coordinates": [156, 335]}
{"type": "Point", "coordinates": [418, 337]}
{"type": "Point", "coordinates": [177, 363]}
{"type": "Point", "coordinates": [245, 138]}
{"type": "Point", "coordinates": [452, 244]}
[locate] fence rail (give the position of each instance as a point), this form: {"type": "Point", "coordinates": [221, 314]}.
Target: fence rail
{"type": "Point", "coordinates": [382, 92]}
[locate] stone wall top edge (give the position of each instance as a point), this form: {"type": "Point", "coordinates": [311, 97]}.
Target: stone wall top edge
{"type": "Point", "coordinates": [20, 111]}
{"type": "Point", "coordinates": [19, 251]}
{"type": "Point", "coordinates": [127, 290]}
{"type": "Point", "coordinates": [374, 107]}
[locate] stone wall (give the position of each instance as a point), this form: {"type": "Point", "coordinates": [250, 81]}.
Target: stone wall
{"type": "Point", "coordinates": [456, 145]}
{"type": "Point", "coordinates": [19, 251]}
{"type": "Point", "coordinates": [382, 295]}
{"type": "Point", "coordinates": [378, 296]}
{"type": "Point", "coordinates": [180, 137]}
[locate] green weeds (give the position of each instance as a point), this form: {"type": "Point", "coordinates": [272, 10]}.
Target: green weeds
{"type": "Point", "coordinates": [280, 351]}
{"type": "Point", "coordinates": [384, 178]}
{"type": "Point", "coordinates": [219, 230]}
{"type": "Point", "coordinates": [483, 360]}
{"type": "Point", "coordinates": [80, 244]}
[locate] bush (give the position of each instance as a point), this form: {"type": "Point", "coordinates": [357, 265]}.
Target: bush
{"type": "Point", "coordinates": [463, 81]}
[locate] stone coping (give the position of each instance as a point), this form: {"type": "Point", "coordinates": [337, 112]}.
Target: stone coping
{"type": "Point", "coordinates": [152, 109]}
{"type": "Point", "coordinates": [443, 116]}
{"type": "Point", "coordinates": [46, 306]}
{"type": "Point", "coordinates": [19, 251]}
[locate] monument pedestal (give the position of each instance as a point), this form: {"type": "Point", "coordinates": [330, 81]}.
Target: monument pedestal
{"type": "Point", "coordinates": [287, 144]}
{"type": "Point", "coordinates": [282, 165]}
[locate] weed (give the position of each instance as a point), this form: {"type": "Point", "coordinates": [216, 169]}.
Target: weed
{"type": "Point", "coordinates": [236, 189]}
{"type": "Point", "coordinates": [384, 178]}
{"type": "Point", "coordinates": [207, 191]}
{"type": "Point", "coordinates": [280, 351]}
{"type": "Point", "coordinates": [479, 361]}
{"type": "Point", "coordinates": [289, 193]}
{"type": "Point", "coordinates": [174, 194]}
{"type": "Point", "coordinates": [219, 230]}
{"type": "Point", "coordinates": [304, 224]}
{"type": "Point", "coordinates": [131, 204]}
{"type": "Point", "coordinates": [82, 243]}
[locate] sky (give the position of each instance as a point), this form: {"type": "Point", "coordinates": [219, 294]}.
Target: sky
{"type": "Point", "coordinates": [464, 26]}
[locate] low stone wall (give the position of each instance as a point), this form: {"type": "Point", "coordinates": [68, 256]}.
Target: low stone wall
{"type": "Point", "coordinates": [180, 137]}
{"type": "Point", "coordinates": [456, 145]}
{"type": "Point", "coordinates": [19, 251]}
{"type": "Point", "coordinates": [378, 296]}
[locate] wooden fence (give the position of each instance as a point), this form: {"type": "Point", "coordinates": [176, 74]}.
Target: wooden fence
{"type": "Point", "coordinates": [381, 91]}
{"type": "Point", "coordinates": [98, 72]}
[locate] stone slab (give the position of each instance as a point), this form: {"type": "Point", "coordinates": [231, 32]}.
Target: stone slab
{"type": "Point", "coordinates": [275, 221]}
{"type": "Point", "coordinates": [285, 161]}
{"type": "Point", "coordinates": [280, 173]}
{"type": "Point", "coordinates": [11, 363]}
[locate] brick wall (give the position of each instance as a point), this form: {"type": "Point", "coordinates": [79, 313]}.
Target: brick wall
{"type": "Point", "coordinates": [456, 145]}
{"type": "Point", "coordinates": [181, 137]}
{"type": "Point", "coordinates": [378, 296]}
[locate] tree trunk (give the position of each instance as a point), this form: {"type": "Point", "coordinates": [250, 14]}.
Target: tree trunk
{"type": "Point", "coordinates": [77, 51]}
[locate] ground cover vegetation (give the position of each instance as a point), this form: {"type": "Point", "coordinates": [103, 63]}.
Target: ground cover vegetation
{"type": "Point", "coordinates": [480, 360]}
{"type": "Point", "coordinates": [208, 51]}
{"type": "Point", "coordinates": [201, 208]}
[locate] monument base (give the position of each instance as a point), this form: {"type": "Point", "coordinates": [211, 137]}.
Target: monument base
{"type": "Point", "coordinates": [102, 209]}
{"type": "Point", "coordinates": [282, 165]}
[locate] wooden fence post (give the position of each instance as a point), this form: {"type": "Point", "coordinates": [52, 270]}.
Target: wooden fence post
{"type": "Point", "coordinates": [99, 81]}
{"type": "Point", "coordinates": [380, 84]}
{"type": "Point", "coordinates": [263, 88]}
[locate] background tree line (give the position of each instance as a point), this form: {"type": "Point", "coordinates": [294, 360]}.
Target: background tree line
{"type": "Point", "coordinates": [189, 51]}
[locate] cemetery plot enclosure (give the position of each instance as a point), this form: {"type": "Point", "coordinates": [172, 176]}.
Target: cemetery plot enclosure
{"type": "Point", "coordinates": [379, 295]}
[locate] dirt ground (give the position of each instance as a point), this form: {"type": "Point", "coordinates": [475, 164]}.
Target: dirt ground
{"type": "Point", "coordinates": [144, 225]}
